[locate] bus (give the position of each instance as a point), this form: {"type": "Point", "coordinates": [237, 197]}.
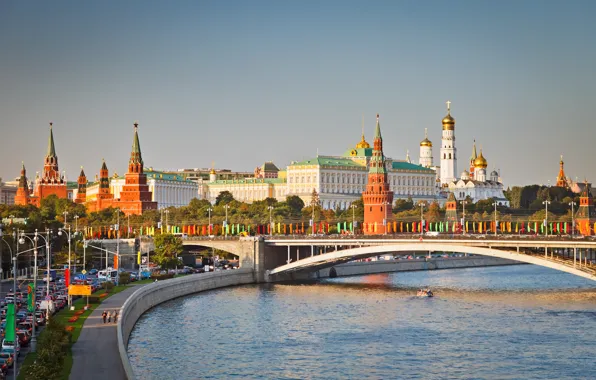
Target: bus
{"type": "Point", "coordinates": [109, 274]}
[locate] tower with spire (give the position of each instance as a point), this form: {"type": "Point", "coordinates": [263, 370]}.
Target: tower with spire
{"type": "Point", "coordinates": [135, 196]}
{"type": "Point", "coordinates": [23, 196]}
{"type": "Point", "coordinates": [448, 151]}
{"type": "Point", "coordinates": [51, 181]}
{"type": "Point", "coordinates": [426, 151]}
{"type": "Point", "coordinates": [585, 216]}
{"type": "Point", "coordinates": [81, 188]}
{"type": "Point", "coordinates": [561, 179]}
{"type": "Point", "coordinates": [377, 198]}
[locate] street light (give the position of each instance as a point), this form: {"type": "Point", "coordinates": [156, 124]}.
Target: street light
{"type": "Point", "coordinates": [60, 232]}
{"type": "Point", "coordinates": [354, 207]}
{"type": "Point", "coordinates": [421, 218]}
{"type": "Point", "coordinates": [495, 204]}
{"type": "Point", "coordinates": [209, 227]}
{"type": "Point", "coordinates": [572, 204]}
{"type": "Point", "coordinates": [463, 217]}
{"type": "Point", "coordinates": [546, 203]}
{"type": "Point", "coordinates": [227, 207]}
{"type": "Point", "coordinates": [270, 208]}
{"type": "Point", "coordinates": [34, 290]}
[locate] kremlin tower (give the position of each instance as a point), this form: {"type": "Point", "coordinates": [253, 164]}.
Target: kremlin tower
{"type": "Point", "coordinates": [561, 179]}
{"type": "Point", "coordinates": [82, 188]}
{"type": "Point", "coordinates": [426, 151]}
{"type": "Point", "coordinates": [585, 214]}
{"type": "Point", "coordinates": [451, 209]}
{"type": "Point", "coordinates": [448, 151]}
{"type": "Point", "coordinates": [377, 198]}
{"type": "Point", "coordinates": [472, 159]}
{"type": "Point", "coordinates": [135, 196]}
{"type": "Point", "coordinates": [22, 197]}
{"type": "Point", "coordinates": [104, 199]}
{"type": "Point", "coordinates": [51, 181]}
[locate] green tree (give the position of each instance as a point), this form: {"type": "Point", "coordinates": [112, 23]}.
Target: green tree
{"type": "Point", "coordinates": [432, 215]}
{"type": "Point", "coordinates": [403, 205]}
{"type": "Point", "coordinates": [296, 204]}
{"type": "Point", "coordinates": [167, 248]}
{"type": "Point", "coordinates": [223, 198]}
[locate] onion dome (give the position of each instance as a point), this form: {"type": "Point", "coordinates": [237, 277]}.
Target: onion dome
{"type": "Point", "coordinates": [448, 121]}
{"type": "Point", "coordinates": [362, 144]}
{"type": "Point", "coordinates": [212, 171]}
{"type": "Point", "coordinates": [480, 161]}
{"type": "Point", "coordinates": [426, 141]}
{"type": "Point", "coordinates": [465, 175]}
{"type": "Point", "coordinates": [494, 173]}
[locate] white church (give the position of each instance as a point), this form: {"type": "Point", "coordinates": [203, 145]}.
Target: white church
{"type": "Point", "coordinates": [473, 183]}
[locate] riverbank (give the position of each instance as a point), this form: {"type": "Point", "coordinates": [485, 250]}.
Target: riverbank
{"type": "Point", "coordinates": [156, 293]}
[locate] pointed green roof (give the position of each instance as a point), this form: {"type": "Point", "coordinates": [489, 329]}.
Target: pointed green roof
{"type": "Point", "coordinates": [378, 129]}
{"type": "Point", "coordinates": [51, 147]}
{"type": "Point", "coordinates": [104, 166]}
{"type": "Point", "coordinates": [135, 155]}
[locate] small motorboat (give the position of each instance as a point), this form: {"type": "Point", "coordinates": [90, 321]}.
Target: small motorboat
{"type": "Point", "coordinates": [425, 293]}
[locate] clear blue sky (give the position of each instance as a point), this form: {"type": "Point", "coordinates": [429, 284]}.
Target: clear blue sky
{"type": "Point", "coordinates": [241, 82]}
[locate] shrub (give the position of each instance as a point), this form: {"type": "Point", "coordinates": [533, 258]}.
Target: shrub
{"type": "Point", "coordinates": [51, 349]}
{"type": "Point", "coordinates": [124, 278]}
{"type": "Point", "coordinates": [162, 276]}
{"type": "Point", "coordinates": [94, 299]}
{"type": "Point", "coordinates": [108, 285]}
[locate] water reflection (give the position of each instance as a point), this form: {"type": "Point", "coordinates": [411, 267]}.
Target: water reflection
{"type": "Point", "coordinates": [501, 322]}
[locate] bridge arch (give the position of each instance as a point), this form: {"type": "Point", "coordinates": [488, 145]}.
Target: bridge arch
{"type": "Point", "coordinates": [314, 263]}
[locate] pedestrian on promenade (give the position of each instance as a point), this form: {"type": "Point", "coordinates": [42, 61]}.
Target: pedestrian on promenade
{"type": "Point", "coordinates": [109, 316]}
{"type": "Point", "coordinates": [116, 316]}
{"type": "Point", "coordinates": [104, 315]}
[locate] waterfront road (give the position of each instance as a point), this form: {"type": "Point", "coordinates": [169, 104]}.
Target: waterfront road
{"type": "Point", "coordinates": [95, 354]}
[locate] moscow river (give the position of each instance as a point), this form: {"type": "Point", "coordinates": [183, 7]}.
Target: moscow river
{"type": "Point", "coordinates": [513, 322]}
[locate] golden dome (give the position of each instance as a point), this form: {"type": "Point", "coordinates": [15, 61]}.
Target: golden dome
{"type": "Point", "coordinates": [480, 161]}
{"type": "Point", "coordinates": [362, 144]}
{"type": "Point", "coordinates": [448, 122]}
{"type": "Point", "coordinates": [426, 142]}
{"type": "Point", "coordinates": [212, 171]}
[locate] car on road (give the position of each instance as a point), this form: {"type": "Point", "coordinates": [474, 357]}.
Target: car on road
{"type": "Point", "coordinates": [10, 346]}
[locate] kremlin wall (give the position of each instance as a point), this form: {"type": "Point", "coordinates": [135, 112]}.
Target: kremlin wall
{"type": "Point", "coordinates": [363, 171]}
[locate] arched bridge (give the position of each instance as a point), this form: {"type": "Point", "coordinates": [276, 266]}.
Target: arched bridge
{"type": "Point", "coordinates": [273, 257]}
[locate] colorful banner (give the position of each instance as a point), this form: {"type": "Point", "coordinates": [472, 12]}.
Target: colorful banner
{"type": "Point", "coordinates": [31, 297]}
{"type": "Point", "coordinates": [9, 333]}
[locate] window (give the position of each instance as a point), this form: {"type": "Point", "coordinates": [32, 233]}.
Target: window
{"type": "Point", "coordinates": [371, 209]}
{"type": "Point", "coordinates": [444, 155]}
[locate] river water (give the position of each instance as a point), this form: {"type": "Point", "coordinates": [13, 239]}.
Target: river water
{"type": "Point", "coordinates": [514, 322]}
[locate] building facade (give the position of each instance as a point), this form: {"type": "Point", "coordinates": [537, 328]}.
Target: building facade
{"type": "Point", "coordinates": [7, 193]}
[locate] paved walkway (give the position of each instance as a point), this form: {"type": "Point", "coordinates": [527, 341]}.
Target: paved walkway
{"type": "Point", "coordinates": [95, 354]}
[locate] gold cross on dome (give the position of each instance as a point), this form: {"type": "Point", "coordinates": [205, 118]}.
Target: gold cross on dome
{"type": "Point", "coordinates": [448, 106]}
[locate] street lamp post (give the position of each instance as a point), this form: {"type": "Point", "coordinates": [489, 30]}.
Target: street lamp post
{"type": "Point", "coordinates": [76, 218]}
{"type": "Point", "coordinates": [1, 271]}
{"type": "Point", "coordinates": [546, 203]}
{"type": "Point", "coordinates": [495, 204]}
{"type": "Point", "coordinates": [463, 217]}
{"type": "Point", "coordinates": [33, 291]}
{"type": "Point", "coordinates": [353, 207]}
{"type": "Point", "coordinates": [421, 218]}
{"type": "Point", "coordinates": [271, 219]}
{"type": "Point", "coordinates": [227, 207]}
{"type": "Point", "coordinates": [60, 231]}
{"type": "Point", "coordinates": [118, 243]}
{"type": "Point", "coordinates": [572, 204]}
{"type": "Point", "coordinates": [209, 227]}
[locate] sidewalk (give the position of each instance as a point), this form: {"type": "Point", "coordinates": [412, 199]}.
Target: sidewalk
{"type": "Point", "coordinates": [95, 355]}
